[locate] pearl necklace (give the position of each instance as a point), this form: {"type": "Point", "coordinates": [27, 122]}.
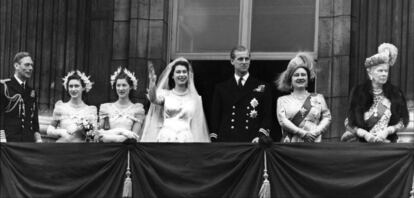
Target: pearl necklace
{"type": "Point", "coordinates": [180, 93]}
{"type": "Point", "coordinates": [302, 97]}
{"type": "Point", "coordinates": [377, 91]}
{"type": "Point", "coordinates": [76, 106]}
{"type": "Point", "coordinates": [122, 106]}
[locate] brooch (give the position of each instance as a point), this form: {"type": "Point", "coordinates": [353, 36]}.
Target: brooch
{"type": "Point", "coordinates": [302, 111]}
{"type": "Point", "coordinates": [253, 113]}
{"type": "Point", "coordinates": [260, 88]}
{"type": "Point", "coordinates": [32, 94]}
{"type": "Point", "coordinates": [254, 103]}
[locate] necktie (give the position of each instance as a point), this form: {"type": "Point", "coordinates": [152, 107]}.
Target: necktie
{"type": "Point", "coordinates": [23, 85]}
{"type": "Point", "coordinates": [240, 84]}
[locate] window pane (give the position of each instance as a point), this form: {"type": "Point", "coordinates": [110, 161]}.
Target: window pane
{"type": "Point", "coordinates": [207, 26]}
{"type": "Point", "coordinates": [283, 25]}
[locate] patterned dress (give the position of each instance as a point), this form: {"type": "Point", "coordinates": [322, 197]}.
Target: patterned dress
{"type": "Point", "coordinates": [379, 111]}
{"type": "Point", "coordinates": [318, 118]}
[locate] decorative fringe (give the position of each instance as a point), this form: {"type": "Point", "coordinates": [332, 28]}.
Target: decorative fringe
{"type": "Point", "coordinates": [265, 189]}
{"type": "Point", "coordinates": [127, 191]}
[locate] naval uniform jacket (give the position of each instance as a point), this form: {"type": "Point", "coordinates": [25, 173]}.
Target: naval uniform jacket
{"type": "Point", "coordinates": [238, 114]}
{"type": "Point", "coordinates": [19, 116]}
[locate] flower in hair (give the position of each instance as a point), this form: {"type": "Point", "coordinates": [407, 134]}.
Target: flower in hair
{"type": "Point", "coordinates": [84, 78]}
{"type": "Point", "coordinates": [131, 75]}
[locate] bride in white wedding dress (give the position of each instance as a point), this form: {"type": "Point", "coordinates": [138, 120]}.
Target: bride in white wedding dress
{"type": "Point", "coordinates": [176, 113]}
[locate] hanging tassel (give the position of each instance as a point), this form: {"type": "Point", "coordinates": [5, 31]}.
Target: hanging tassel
{"type": "Point", "coordinates": [127, 191]}
{"type": "Point", "coordinates": [412, 189]}
{"type": "Point", "coordinates": [265, 189]}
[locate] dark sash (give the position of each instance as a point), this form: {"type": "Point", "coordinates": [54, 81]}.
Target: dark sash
{"type": "Point", "coordinates": [301, 115]}
{"type": "Point", "coordinates": [381, 108]}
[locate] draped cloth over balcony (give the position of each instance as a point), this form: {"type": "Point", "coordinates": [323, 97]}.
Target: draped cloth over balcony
{"type": "Point", "coordinates": [206, 170]}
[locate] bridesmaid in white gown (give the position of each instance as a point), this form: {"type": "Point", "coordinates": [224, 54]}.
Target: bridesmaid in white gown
{"type": "Point", "coordinates": [176, 113]}
{"type": "Point", "coordinates": [122, 119]}
{"type": "Point", "coordinates": [68, 117]}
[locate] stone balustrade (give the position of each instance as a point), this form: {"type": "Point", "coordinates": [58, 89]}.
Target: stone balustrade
{"type": "Point", "coordinates": [407, 135]}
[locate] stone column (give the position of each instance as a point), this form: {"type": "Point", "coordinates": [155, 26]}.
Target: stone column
{"type": "Point", "coordinates": [333, 61]}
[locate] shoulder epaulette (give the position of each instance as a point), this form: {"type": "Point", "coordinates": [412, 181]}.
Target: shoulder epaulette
{"type": "Point", "coordinates": [4, 80]}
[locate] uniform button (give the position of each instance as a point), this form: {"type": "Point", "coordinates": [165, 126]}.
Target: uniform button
{"type": "Point", "coordinates": [234, 107]}
{"type": "Point", "coordinates": [232, 127]}
{"type": "Point", "coordinates": [232, 120]}
{"type": "Point", "coordinates": [247, 127]}
{"type": "Point", "coordinates": [233, 113]}
{"type": "Point", "coordinates": [247, 121]}
{"type": "Point", "coordinates": [248, 107]}
{"type": "Point", "coordinates": [247, 114]}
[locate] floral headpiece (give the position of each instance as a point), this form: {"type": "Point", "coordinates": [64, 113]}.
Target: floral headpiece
{"type": "Point", "coordinates": [131, 75]}
{"type": "Point", "coordinates": [84, 78]}
{"type": "Point", "coordinates": [387, 53]}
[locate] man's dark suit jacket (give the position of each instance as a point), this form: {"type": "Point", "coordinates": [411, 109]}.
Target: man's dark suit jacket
{"type": "Point", "coordinates": [22, 121]}
{"type": "Point", "coordinates": [233, 116]}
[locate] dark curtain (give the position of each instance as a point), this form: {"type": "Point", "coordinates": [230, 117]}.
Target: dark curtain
{"type": "Point", "coordinates": [341, 170]}
{"type": "Point", "coordinates": [197, 170]}
{"type": "Point", "coordinates": [62, 170]}
{"type": "Point", "coordinates": [206, 170]}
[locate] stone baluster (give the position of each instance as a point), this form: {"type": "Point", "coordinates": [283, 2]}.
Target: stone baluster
{"type": "Point", "coordinates": [407, 135]}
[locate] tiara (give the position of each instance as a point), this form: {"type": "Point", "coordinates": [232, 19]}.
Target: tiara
{"type": "Point", "coordinates": [131, 75]}
{"type": "Point", "coordinates": [84, 78]}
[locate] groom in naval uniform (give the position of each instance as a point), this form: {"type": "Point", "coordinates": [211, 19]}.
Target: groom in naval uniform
{"type": "Point", "coordinates": [241, 107]}
{"type": "Point", "coordinates": [18, 109]}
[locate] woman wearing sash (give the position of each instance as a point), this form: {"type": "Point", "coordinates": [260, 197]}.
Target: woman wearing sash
{"type": "Point", "coordinates": [377, 108]}
{"type": "Point", "coordinates": [122, 119]}
{"type": "Point", "coordinates": [176, 112]}
{"type": "Point", "coordinates": [303, 116]}
{"type": "Point", "coordinates": [72, 119]}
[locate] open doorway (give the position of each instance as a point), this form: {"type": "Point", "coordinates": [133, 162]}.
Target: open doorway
{"type": "Point", "coordinates": [208, 73]}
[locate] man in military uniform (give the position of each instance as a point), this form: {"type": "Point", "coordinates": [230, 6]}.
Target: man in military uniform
{"type": "Point", "coordinates": [18, 109]}
{"type": "Point", "coordinates": [241, 107]}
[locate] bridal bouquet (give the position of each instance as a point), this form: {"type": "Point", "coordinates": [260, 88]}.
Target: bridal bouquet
{"type": "Point", "coordinates": [88, 129]}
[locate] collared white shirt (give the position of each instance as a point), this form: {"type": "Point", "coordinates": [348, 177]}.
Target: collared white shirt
{"type": "Point", "coordinates": [244, 78]}
{"type": "Point", "coordinates": [20, 81]}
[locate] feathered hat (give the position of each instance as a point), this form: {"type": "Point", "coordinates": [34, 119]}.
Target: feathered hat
{"type": "Point", "coordinates": [301, 60]}
{"type": "Point", "coordinates": [387, 53]}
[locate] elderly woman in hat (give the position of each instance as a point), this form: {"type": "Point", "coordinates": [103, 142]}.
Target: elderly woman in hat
{"type": "Point", "coordinates": [303, 116]}
{"type": "Point", "coordinates": [377, 109]}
